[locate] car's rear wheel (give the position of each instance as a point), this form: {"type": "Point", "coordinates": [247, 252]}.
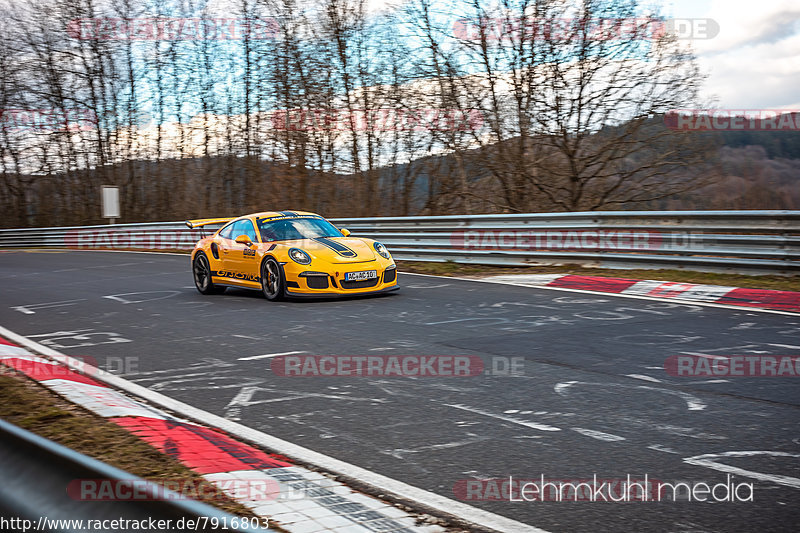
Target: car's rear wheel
{"type": "Point", "coordinates": [272, 282]}
{"type": "Point", "coordinates": [202, 276]}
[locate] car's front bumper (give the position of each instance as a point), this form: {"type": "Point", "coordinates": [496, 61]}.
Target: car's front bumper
{"type": "Point", "coordinates": [341, 294]}
{"type": "Point", "coordinates": [307, 281]}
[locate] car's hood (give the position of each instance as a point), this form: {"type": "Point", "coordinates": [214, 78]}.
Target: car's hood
{"type": "Point", "coordinates": [336, 249]}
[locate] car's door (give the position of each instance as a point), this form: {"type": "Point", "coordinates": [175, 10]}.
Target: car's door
{"type": "Point", "coordinates": [241, 257]}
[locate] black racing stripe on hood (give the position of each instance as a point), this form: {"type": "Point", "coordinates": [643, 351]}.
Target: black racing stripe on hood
{"type": "Point", "coordinates": [338, 247]}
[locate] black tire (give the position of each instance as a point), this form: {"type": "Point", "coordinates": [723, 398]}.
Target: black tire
{"type": "Point", "coordinates": [201, 271]}
{"type": "Point", "coordinates": [273, 284]}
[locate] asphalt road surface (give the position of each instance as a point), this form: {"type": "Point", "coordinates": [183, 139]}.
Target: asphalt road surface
{"type": "Point", "coordinates": [590, 395]}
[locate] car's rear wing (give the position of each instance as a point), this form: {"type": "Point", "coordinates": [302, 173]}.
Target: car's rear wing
{"type": "Point", "coordinates": [207, 222]}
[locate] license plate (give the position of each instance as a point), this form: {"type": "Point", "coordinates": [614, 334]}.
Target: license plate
{"type": "Point", "coordinates": [361, 276]}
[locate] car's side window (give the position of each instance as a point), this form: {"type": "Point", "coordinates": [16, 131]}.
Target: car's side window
{"type": "Point", "coordinates": [247, 229]}
{"type": "Point", "coordinates": [227, 231]}
{"type": "Point", "coordinates": [244, 227]}
{"type": "Point", "coordinates": [235, 230]}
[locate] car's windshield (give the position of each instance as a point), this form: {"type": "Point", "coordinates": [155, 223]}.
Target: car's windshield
{"type": "Point", "coordinates": [296, 228]}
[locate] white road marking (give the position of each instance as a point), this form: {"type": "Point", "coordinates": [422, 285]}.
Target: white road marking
{"type": "Point", "coordinates": [379, 482]}
{"type": "Point", "coordinates": [81, 338]}
{"type": "Point", "coordinates": [491, 320]}
{"type": "Point", "coordinates": [183, 376]}
{"type": "Point", "coordinates": [709, 461]}
{"type": "Point", "coordinates": [662, 339]}
{"type": "Point", "coordinates": [727, 351]}
{"type": "Point", "coordinates": [404, 343]}
{"type": "Point", "coordinates": [120, 297]}
{"type": "Point", "coordinates": [790, 346]}
{"type": "Point", "coordinates": [472, 439]}
{"type": "Point", "coordinates": [207, 362]}
{"type": "Point", "coordinates": [532, 425]}
{"type": "Point", "coordinates": [599, 435]}
{"type": "Point", "coordinates": [58, 333]}
{"type": "Point", "coordinates": [267, 355]}
{"type": "Point", "coordinates": [643, 378]}
{"type": "Point", "coordinates": [572, 300]}
{"type": "Point", "coordinates": [530, 280]}
{"type": "Point", "coordinates": [234, 408]}
{"type": "Point", "coordinates": [682, 431]}
{"type": "Point", "coordinates": [30, 309]}
{"type": "Point", "coordinates": [244, 398]}
{"type": "Point", "coordinates": [560, 388]}
{"type": "Point", "coordinates": [661, 448]}
{"type": "Point", "coordinates": [693, 402]}
{"type": "Point", "coordinates": [707, 356]}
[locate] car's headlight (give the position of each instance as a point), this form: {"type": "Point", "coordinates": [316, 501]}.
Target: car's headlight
{"type": "Point", "coordinates": [381, 249]}
{"type": "Point", "coordinates": [299, 256]}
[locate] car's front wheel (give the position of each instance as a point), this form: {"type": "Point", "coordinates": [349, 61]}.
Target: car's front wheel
{"type": "Point", "coordinates": [272, 282]}
{"type": "Point", "coordinates": [202, 276]}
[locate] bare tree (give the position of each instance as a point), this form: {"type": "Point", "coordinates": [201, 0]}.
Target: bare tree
{"type": "Point", "coordinates": [569, 92]}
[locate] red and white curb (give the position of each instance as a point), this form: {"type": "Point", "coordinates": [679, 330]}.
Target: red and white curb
{"type": "Point", "coordinates": [754, 299]}
{"type": "Point", "coordinates": [295, 498]}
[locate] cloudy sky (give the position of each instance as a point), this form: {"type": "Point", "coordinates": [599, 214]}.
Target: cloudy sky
{"type": "Point", "coordinates": [754, 62]}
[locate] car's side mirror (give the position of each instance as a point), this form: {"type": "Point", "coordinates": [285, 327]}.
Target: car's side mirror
{"type": "Point", "coordinates": [244, 239]}
{"type": "Point", "coordinates": [345, 232]}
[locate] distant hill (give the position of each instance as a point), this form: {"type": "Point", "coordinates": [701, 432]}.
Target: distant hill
{"type": "Point", "coordinates": [776, 144]}
{"type": "Point", "coordinates": [757, 170]}
{"type": "Point", "coordinates": [751, 179]}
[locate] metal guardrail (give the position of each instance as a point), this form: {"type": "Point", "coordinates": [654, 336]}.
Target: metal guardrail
{"type": "Point", "coordinates": [750, 241]}
{"type": "Point", "coordinates": [35, 495]}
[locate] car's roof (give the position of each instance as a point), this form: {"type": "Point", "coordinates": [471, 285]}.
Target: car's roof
{"type": "Point", "coordinates": [282, 214]}
{"type": "Point", "coordinates": [264, 215]}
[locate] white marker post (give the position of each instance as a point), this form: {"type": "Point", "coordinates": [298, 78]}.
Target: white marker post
{"type": "Point", "coordinates": [110, 203]}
